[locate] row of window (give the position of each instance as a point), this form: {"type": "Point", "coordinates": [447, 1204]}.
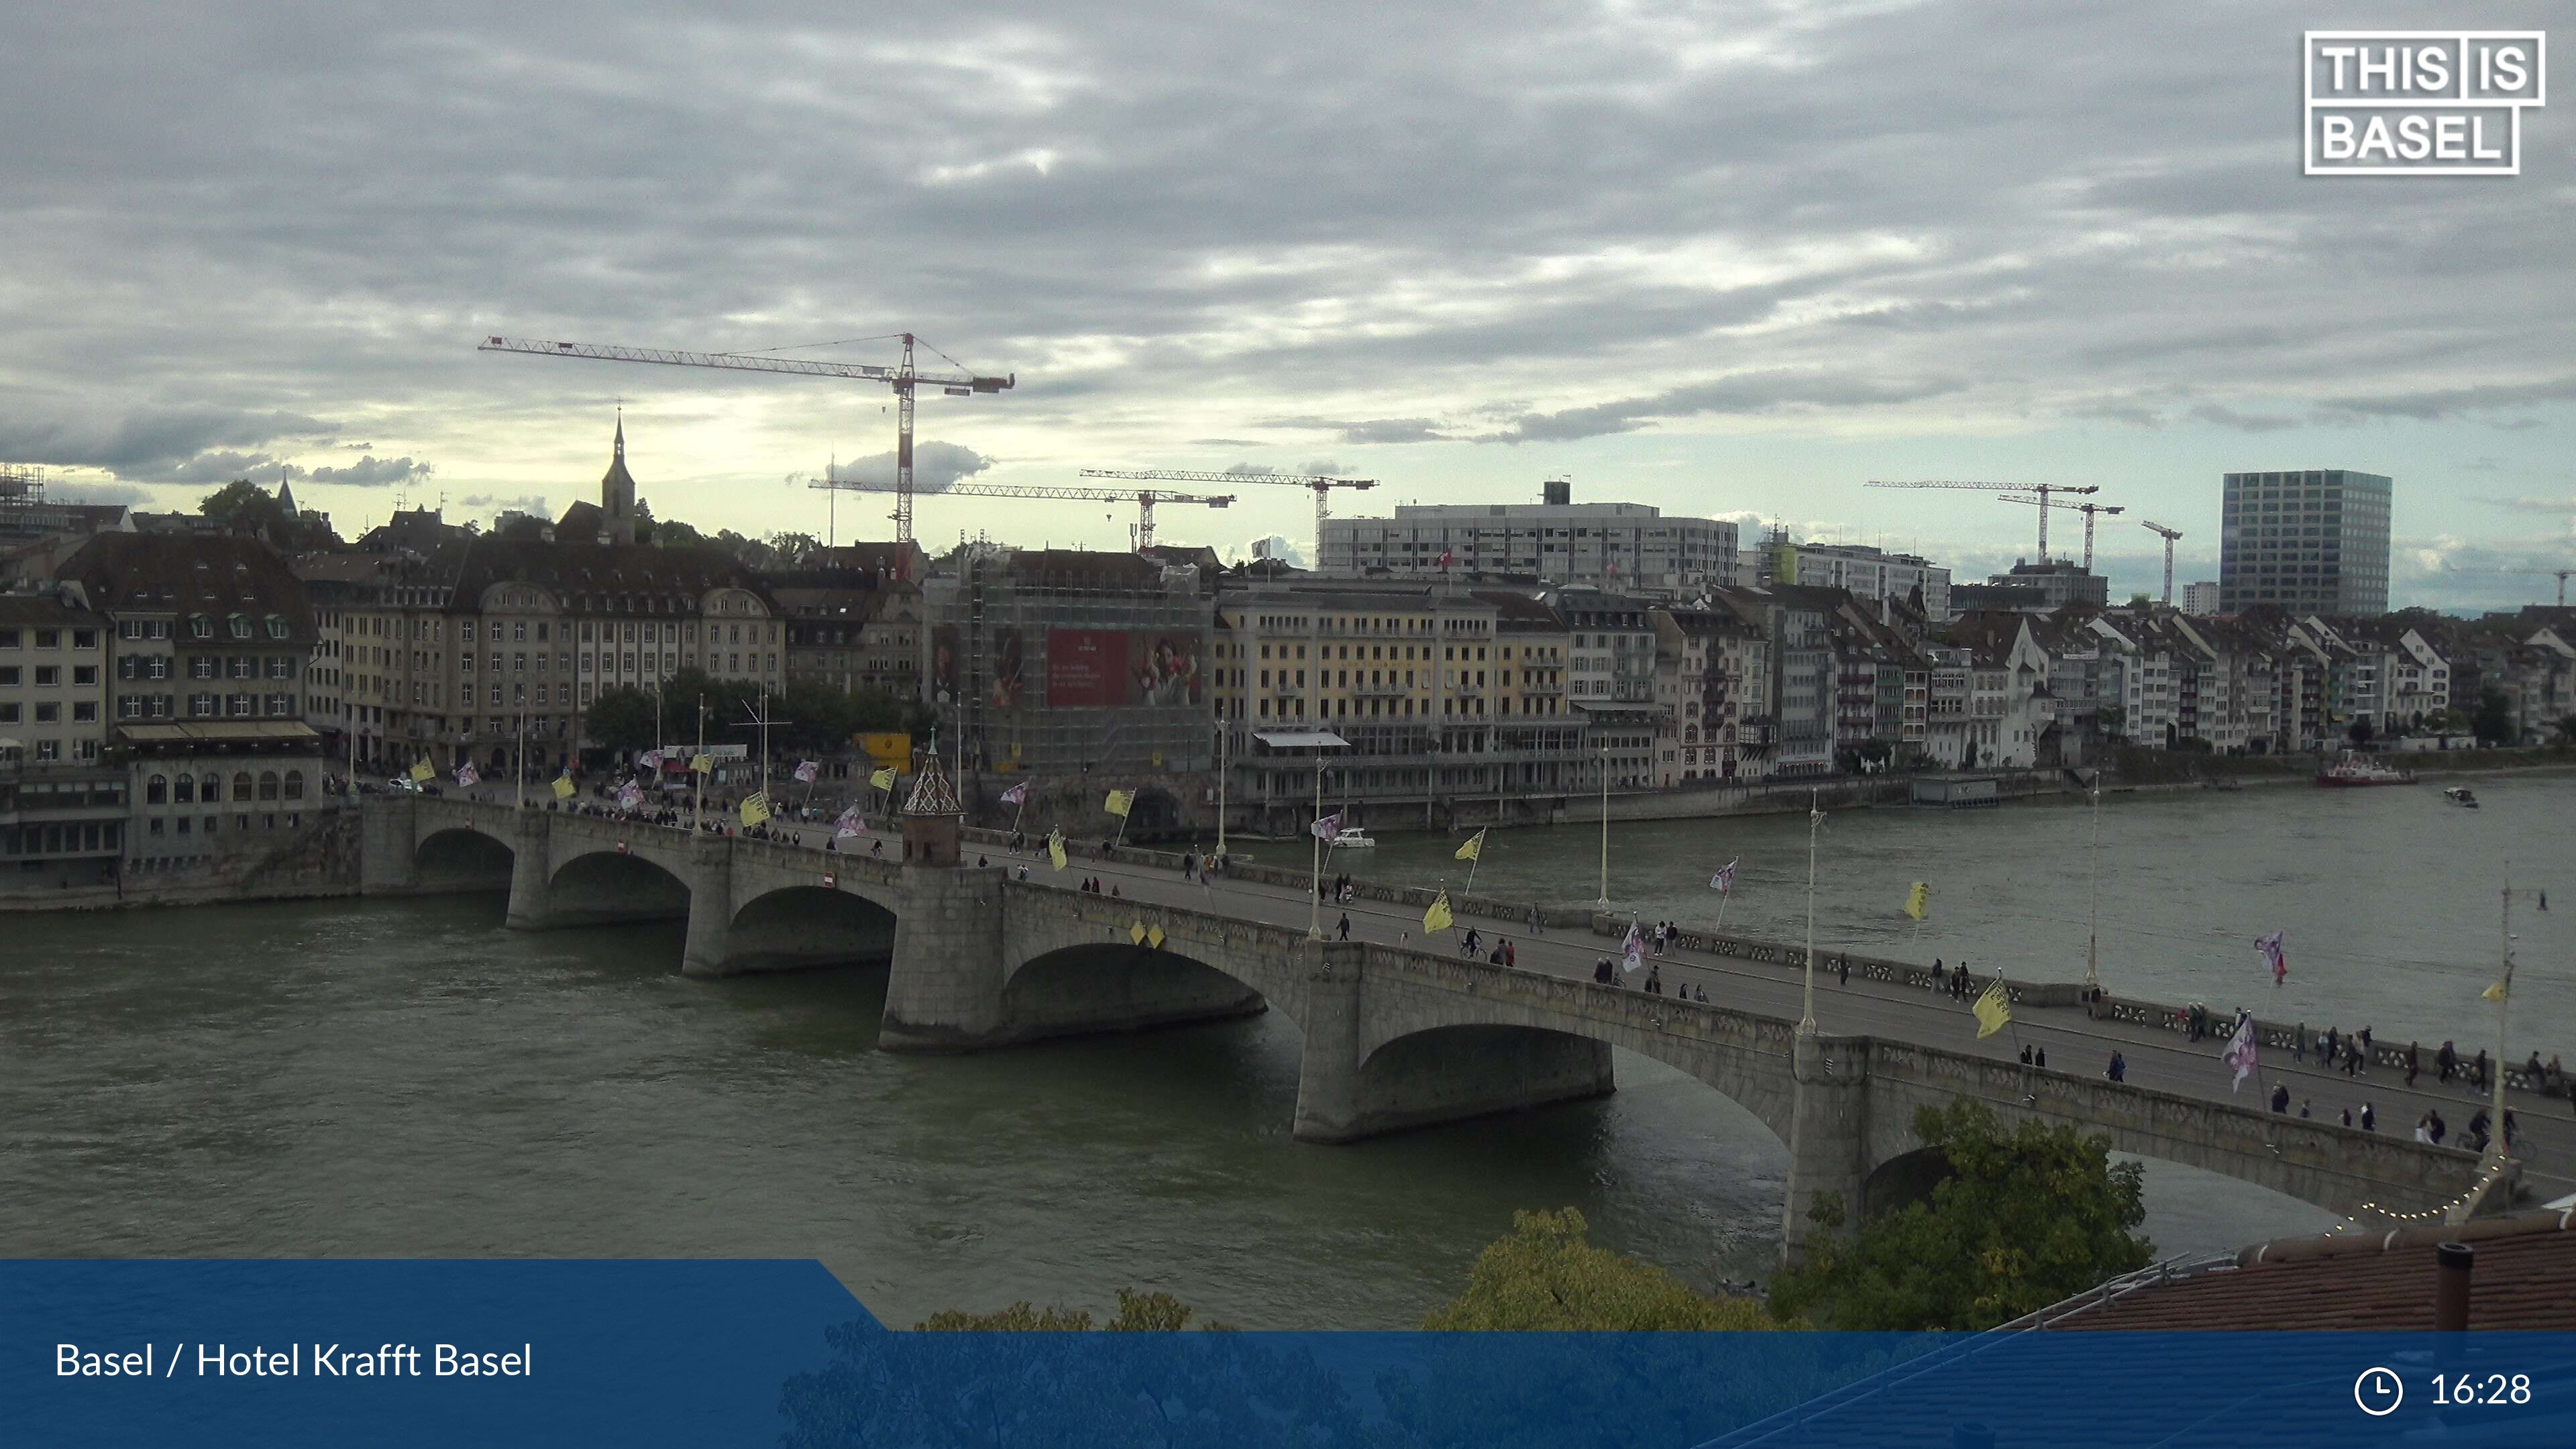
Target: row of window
{"type": "Point", "coordinates": [159, 826]}
{"type": "Point", "coordinates": [50, 676]}
{"type": "Point", "coordinates": [84, 711]}
{"type": "Point", "coordinates": [208, 788]}
{"type": "Point", "coordinates": [48, 638]}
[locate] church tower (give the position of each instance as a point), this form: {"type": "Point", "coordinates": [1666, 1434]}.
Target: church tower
{"type": "Point", "coordinates": [617, 494]}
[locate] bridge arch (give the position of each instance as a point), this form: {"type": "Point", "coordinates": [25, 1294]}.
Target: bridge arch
{"type": "Point", "coordinates": [463, 858]}
{"type": "Point", "coordinates": [1116, 985]}
{"type": "Point", "coordinates": [798, 926]}
{"type": "Point", "coordinates": [609, 885]}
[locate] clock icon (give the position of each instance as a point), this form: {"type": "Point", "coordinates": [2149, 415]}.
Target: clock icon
{"type": "Point", "coordinates": [2378, 1391]}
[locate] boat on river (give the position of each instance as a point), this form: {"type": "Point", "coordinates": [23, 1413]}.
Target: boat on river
{"type": "Point", "coordinates": [1352, 840]}
{"type": "Point", "coordinates": [2356, 768]}
{"type": "Point", "coordinates": [2460, 795]}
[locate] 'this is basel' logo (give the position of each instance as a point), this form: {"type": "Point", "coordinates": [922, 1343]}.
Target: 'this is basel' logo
{"type": "Point", "coordinates": [2421, 102]}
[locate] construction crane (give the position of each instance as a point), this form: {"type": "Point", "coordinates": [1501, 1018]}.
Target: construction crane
{"type": "Point", "coordinates": [2043, 490]}
{"type": "Point", "coordinates": [1144, 498]}
{"type": "Point", "coordinates": [1323, 486]}
{"type": "Point", "coordinates": [2561, 575]}
{"type": "Point", "coordinates": [2087, 509]}
{"type": "Point", "coordinates": [902, 377]}
{"type": "Point", "coordinates": [2169, 535]}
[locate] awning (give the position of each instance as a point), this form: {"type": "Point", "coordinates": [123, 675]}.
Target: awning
{"type": "Point", "coordinates": [1301, 739]}
{"type": "Point", "coordinates": [266, 731]}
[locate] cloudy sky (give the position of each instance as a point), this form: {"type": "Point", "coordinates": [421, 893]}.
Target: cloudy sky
{"type": "Point", "coordinates": [1727, 259]}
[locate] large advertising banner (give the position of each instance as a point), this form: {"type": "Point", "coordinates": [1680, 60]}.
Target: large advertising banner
{"type": "Point", "coordinates": [1086, 668]}
{"type": "Point", "coordinates": [1106, 668]}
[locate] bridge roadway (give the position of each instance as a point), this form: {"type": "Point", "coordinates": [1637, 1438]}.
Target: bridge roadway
{"type": "Point", "coordinates": [1396, 1035]}
{"type": "Point", "coordinates": [2156, 1058]}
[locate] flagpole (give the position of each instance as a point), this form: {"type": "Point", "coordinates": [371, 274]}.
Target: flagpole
{"type": "Point", "coordinates": [1815, 827]}
{"type": "Point", "coordinates": [2093, 924]}
{"type": "Point", "coordinates": [1315, 873]}
{"type": "Point", "coordinates": [1224, 733]}
{"type": "Point", "coordinates": [522, 761]}
{"type": "Point", "coordinates": [2504, 1010]}
{"type": "Point", "coordinates": [1604, 898]}
{"type": "Point", "coordinates": [699, 809]}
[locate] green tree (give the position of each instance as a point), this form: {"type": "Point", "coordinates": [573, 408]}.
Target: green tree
{"type": "Point", "coordinates": [1546, 1274]}
{"type": "Point", "coordinates": [2029, 1216]}
{"type": "Point", "coordinates": [788, 549]}
{"type": "Point", "coordinates": [2494, 722]}
{"type": "Point", "coordinates": [2361, 731]}
{"type": "Point", "coordinates": [620, 719]}
{"type": "Point", "coordinates": [1137, 1313]}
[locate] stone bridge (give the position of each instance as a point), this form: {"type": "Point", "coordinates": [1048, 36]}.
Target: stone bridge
{"type": "Point", "coordinates": [1391, 1038]}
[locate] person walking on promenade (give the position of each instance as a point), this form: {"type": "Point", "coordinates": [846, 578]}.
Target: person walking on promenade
{"type": "Point", "coordinates": [2414, 1063]}
{"type": "Point", "coordinates": [2369, 1118]}
{"type": "Point", "coordinates": [2039, 1058]}
{"type": "Point", "coordinates": [1511, 957]}
{"type": "Point", "coordinates": [2303, 1107]}
{"type": "Point", "coordinates": [1654, 981]}
{"type": "Point", "coordinates": [2280, 1098]}
{"type": "Point", "coordinates": [2448, 1060]}
{"type": "Point", "coordinates": [2299, 1043]}
{"type": "Point", "coordinates": [1346, 925]}
{"type": "Point", "coordinates": [2119, 1068]}
{"type": "Point", "coordinates": [1846, 971]}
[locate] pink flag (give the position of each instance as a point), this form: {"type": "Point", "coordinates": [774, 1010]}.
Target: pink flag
{"type": "Point", "coordinates": [465, 776]}
{"type": "Point", "coordinates": [1327, 828]}
{"type": "Point", "coordinates": [2274, 956]}
{"type": "Point", "coordinates": [1016, 795]}
{"type": "Point", "coordinates": [806, 771]}
{"type": "Point", "coordinates": [1632, 951]}
{"type": "Point", "coordinates": [1724, 881]}
{"type": "Point", "coordinates": [851, 822]}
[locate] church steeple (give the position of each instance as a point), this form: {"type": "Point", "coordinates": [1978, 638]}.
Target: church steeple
{"type": "Point", "coordinates": [617, 492]}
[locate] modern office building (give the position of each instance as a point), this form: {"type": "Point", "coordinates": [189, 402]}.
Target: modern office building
{"type": "Point", "coordinates": [1628, 546]}
{"type": "Point", "coordinates": [2200, 600]}
{"type": "Point", "coordinates": [1873, 574]}
{"type": "Point", "coordinates": [2305, 542]}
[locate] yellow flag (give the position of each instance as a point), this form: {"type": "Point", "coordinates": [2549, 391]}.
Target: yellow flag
{"type": "Point", "coordinates": [755, 810]}
{"type": "Point", "coordinates": [563, 787]}
{"type": "Point", "coordinates": [1438, 918]}
{"type": "Point", "coordinates": [2493, 993]}
{"type": "Point", "coordinates": [1994, 1010]}
{"type": "Point", "coordinates": [1474, 849]}
{"type": "Point", "coordinates": [420, 770]}
{"type": "Point", "coordinates": [882, 779]}
{"type": "Point", "coordinates": [1154, 938]}
{"type": "Point", "coordinates": [1120, 802]}
{"type": "Point", "coordinates": [702, 764]}
{"type": "Point", "coordinates": [1136, 933]}
{"type": "Point", "coordinates": [1055, 848]}
{"type": "Point", "coordinates": [1918, 900]}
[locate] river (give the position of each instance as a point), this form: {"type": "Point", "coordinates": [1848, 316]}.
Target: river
{"type": "Point", "coordinates": [407, 1078]}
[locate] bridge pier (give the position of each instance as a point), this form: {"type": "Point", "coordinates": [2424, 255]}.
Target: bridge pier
{"type": "Point", "coordinates": [1443, 1074]}
{"type": "Point", "coordinates": [944, 992]}
{"type": "Point", "coordinates": [388, 845]}
{"type": "Point", "coordinates": [1828, 1134]}
{"type": "Point", "coordinates": [710, 882]}
{"type": "Point", "coordinates": [531, 873]}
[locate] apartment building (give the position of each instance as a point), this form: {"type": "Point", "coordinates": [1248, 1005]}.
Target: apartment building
{"type": "Point", "coordinates": [1627, 546]}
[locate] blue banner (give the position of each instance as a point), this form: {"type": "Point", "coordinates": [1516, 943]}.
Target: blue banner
{"type": "Point", "coordinates": [640, 1354]}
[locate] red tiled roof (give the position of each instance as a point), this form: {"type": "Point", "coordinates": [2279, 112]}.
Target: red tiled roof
{"type": "Point", "coordinates": [2525, 1279]}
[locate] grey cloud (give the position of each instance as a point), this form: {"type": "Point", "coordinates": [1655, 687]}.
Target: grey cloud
{"type": "Point", "coordinates": [935, 465]}
{"type": "Point", "coordinates": [2226, 417]}
{"type": "Point", "coordinates": [222, 466]}
{"type": "Point", "coordinates": [2438, 403]}
{"type": "Point", "coordinates": [125, 493]}
{"type": "Point", "coordinates": [504, 502]}
{"type": "Point", "coordinates": [1363, 431]}
{"type": "Point", "coordinates": [1747, 393]}
{"type": "Point", "coordinates": [371, 472]}
{"type": "Point", "coordinates": [2554, 506]}
{"type": "Point", "coordinates": [183, 443]}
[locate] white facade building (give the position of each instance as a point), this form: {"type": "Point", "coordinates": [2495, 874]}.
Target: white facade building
{"type": "Point", "coordinates": [1874, 574]}
{"type": "Point", "coordinates": [1625, 546]}
{"type": "Point", "coordinates": [2200, 600]}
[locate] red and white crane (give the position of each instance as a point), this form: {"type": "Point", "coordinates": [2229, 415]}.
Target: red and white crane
{"type": "Point", "coordinates": [1144, 498]}
{"type": "Point", "coordinates": [902, 376]}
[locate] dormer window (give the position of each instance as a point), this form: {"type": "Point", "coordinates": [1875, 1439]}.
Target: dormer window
{"type": "Point", "coordinates": [238, 626]}
{"type": "Point", "coordinates": [199, 626]}
{"type": "Point", "coordinates": [276, 626]}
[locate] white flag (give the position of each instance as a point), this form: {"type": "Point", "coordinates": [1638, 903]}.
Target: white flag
{"type": "Point", "coordinates": [2240, 1053]}
{"type": "Point", "coordinates": [1724, 881]}
{"type": "Point", "coordinates": [806, 771]}
{"type": "Point", "coordinates": [1327, 828]}
{"type": "Point", "coordinates": [851, 822]}
{"type": "Point", "coordinates": [1632, 952]}
{"type": "Point", "coordinates": [465, 776]}
{"type": "Point", "coordinates": [1016, 795]}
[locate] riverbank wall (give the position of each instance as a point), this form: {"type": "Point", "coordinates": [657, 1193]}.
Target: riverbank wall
{"type": "Point", "coordinates": [318, 860]}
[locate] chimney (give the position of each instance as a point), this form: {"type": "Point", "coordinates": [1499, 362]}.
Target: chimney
{"type": "Point", "coordinates": [2451, 1265]}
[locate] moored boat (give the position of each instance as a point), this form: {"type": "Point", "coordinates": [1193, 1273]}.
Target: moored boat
{"type": "Point", "coordinates": [2356, 768]}
{"type": "Point", "coordinates": [2459, 795]}
{"type": "Point", "coordinates": [1352, 840]}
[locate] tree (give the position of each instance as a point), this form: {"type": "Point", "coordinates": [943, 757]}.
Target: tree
{"type": "Point", "coordinates": [1137, 1313]}
{"type": "Point", "coordinates": [2361, 731]}
{"type": "Point", "coordinates": [1545, 1274]}
{"type": "Point", "coordinates": [790, 549]}
{"type": "Point", "coordinates": [523, 529]}
{"type": "Point", "coordinates": [2029, 1217]}
{"type": "Point", "coordinates": [621, 719]}
{"type": "Point", "coordinates": [2494, 722]}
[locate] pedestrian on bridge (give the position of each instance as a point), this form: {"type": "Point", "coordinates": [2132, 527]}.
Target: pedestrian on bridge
{"type": "Point", "coordinates": [1537, 927]}
{"type": "Point", "coordinates": [1346, 925]}
{"type": "Point", "coordinates": [2119, 1068]}
{"type": "Point", "coordinates": [2414, 1063]}
{"type": "Point", "coordinates": [2280, 1097]}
